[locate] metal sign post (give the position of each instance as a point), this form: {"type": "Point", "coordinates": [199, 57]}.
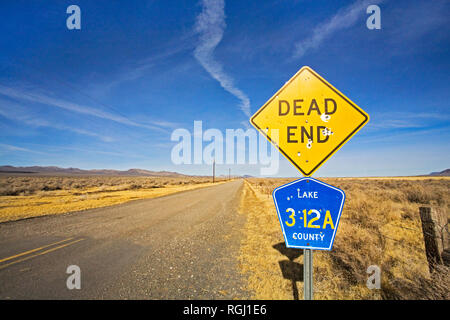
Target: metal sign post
{"type": "Point", "coordinates": [308, 293]}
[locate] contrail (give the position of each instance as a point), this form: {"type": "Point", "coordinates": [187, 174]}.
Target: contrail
{"type": "Point", "coordinates": [210, 25]}
{"type": "Point", "coordinates": [344, 18]}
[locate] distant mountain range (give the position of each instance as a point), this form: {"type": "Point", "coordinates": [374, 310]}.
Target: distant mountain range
{"type": "Point", "coordinates": [75, 171]}
{"type": "Point", "coordinates": [444, 173]}
{"type": "Point", "coordinates": [38, 170]}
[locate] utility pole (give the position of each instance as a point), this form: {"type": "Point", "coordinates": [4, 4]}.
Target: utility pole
{"type": "Point", "coordinates": [214, 169]}
{"type": "Point", "coordinates": [229, 173]}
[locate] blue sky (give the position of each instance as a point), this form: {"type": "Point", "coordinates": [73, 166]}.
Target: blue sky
{"type": "Point", "coordinates": [109, 95]}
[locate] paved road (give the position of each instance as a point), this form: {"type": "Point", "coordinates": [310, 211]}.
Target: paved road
{"type": "Point", "coordinates": [181, 246]}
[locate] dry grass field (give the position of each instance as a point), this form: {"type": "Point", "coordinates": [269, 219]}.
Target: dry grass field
{"type": "Point", "coordinates": [24, 196]}
{"type": "Point", "coordinates": [380, 225]}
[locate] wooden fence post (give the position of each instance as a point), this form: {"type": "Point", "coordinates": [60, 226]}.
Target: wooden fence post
{"type": "Point", "coordinates": [434, 227]}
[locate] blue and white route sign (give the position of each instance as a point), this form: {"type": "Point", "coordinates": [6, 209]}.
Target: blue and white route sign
{"type": "Point", "coordinates": [309, 211]}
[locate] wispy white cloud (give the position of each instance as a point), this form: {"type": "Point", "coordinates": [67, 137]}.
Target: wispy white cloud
{"type": "Point", "coordinates": [136, 70]}
{"type": "Point", "coordinates": [35, 97]}
{"type": "Point", "coordinates": [344, 18]}
{"type": "Point", "coordinates": [429, 134]}
{"type": "Point", "coordinates": [210, 25]}
{"type": "Point", "coordinates": [406, 120]}
{"type": "Point", "coordinates": [16, 112]}
{"type": "Point", "coordinates": [415, 25]}
{"type": "Point", "coordinates": [96, 151]}
{"type": "Point", "coordinates": [9, 147]}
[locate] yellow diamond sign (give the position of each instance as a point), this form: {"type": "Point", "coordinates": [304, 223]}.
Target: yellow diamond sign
{"type": "Point", "coordinates": [309, 120]}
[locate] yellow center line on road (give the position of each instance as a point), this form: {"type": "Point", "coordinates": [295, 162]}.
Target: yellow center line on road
{"type": "Point", "coordinates": [43, 252]}
{"type": "Point", "coordinates": [34, 250]}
